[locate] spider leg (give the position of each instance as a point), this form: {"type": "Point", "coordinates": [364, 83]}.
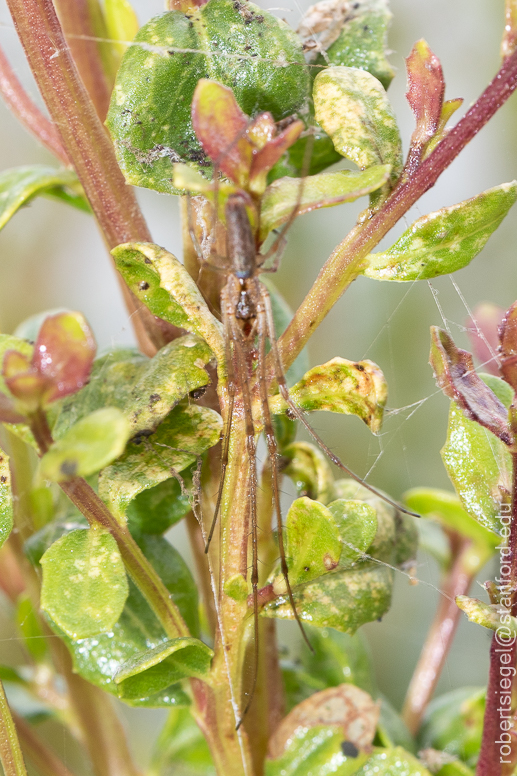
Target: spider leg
{"type": "Point", "coordinates": [231, 401]}
{"type": "Point", "coordinates": [297, 412]}
{"type": "Point", "coordinates": [252, 498]}
{"type": "Point", "coordinates": [266, 331]}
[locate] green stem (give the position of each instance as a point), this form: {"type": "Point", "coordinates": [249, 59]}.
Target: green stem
{"type": "Point", "coordinates": [218, 707]}
{"type": "Point", "coordinates": [10, 753]}
{"type": "Point", "coordinates": [346, 261]}
{"type": "Point", "coordinates": [86, 143]}
{"type": "Point", "coordinates": [97, 513]}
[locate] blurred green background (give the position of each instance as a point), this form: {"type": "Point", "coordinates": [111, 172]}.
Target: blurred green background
{"type": "Point", "coordinates": [52, 256]}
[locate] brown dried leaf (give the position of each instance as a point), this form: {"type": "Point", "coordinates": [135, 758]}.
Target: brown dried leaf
{"type": "Point", "coordinates": [455, 375]}
{"type": "Point", "coordinates": [344, 706]}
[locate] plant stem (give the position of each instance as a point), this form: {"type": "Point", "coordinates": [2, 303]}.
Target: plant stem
{"type": "Point", "coordinates": [439, 639]}
{"type": "Point", "coordinates": [10, 753]}
{"type": "Point", "coordinates": [97, 513]}
{"type": "Point", "coordinates": [46, 762]}
{"type": "Point", "coordinates": [502, 655]}
{"type": "Point", "coordinates": [79, 33]}
{"type": "Point", "coordinates": [346, 261]}
{"type": "Point", "coordinates": [86, 143]}
{"type": "Point", "coordinates": [19, 102]}
{"type": "Point", "coordinates": [219, 706]}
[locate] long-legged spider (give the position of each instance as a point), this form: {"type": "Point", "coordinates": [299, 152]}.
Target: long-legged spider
{"type": "Point", "coordinates": [247, 317]}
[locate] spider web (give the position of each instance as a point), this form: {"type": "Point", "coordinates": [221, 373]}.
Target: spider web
{"type": "Point", "coordinates": [388, 323]}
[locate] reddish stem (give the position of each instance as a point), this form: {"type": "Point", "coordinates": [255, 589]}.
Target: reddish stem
{"type": "Point", "coordinates": [345, 262]}
{"type": "Point", "coordinates": [86, 142]}
{"type": "Point", "coordinates": [75, 19]}
{"type": "Point", "coordinates": [19, 102]}
{"type": "Point", "coordinates": [498, 709]}
{"type": "Point", "coordinates": [438, 642]}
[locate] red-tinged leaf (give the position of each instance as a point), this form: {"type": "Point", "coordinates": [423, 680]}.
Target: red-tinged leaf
{"type": "Point", "coordinates": [261, 130]}
{"type": "Point", "coordinates": [508, 348]}
{"type": "Point", "coordinates": [265, 159]}
{"type": "Point", "coordinates": [8, 413]}
{"type": "Point", "coordinates": [483, 332]}
{"type": "Point", "coordinates": [64, 353]}
{"type": "Point", "coordinates": [15, 364]}
{"type": "Point", "coordinates": [425, 92]}
{"type": "Point", "coordinates": [455, 375]}
{"type": "Point", "coordinates": [220, 127]}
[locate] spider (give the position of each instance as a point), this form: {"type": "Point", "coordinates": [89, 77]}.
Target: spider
{"type": "Point", "coordinates": [247, 318]}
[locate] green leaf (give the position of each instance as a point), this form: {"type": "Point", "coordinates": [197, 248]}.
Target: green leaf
{"type": "Point", "coordinates": [362, 41]}
{"type": "Point", "coordinates": [313, 751]}
{"type": "Point", "coordinates": [97, 659]}
{"type": "Point", "coordinates": [20, 184]}
{"type": "Point", "coordinates": [163, 284]}
{"type": "Point", "coordinates": [310, 471]}
{"type": "Point", "coordinates": [444, 241]}
{"type": "Point", "coordinates": [396, 540]}
{"type": "Point", "coordinates": [342, 599]}
{"type": "Point", "coordinates": [352, 107]}
{"type": "Point", "coordinates": [156, 669]}
{"type": "Point", "coordinates": [6, 498]}
{"type": "Point", "coordinates": [313, 547]}
{"type": "Point", "coordinates": [88, 446]}
{"type": "Point", "coordinates": [121, 23]}
{"type": "Point", "coordinates": [454, 723]}
{"type": "Point", "coordinates": [316, 191]}
{"type": "Point", "coordinates": [357, 525]}
{"type": "Point", "coordinates": [84, 584]}
{"type": "Point", "coordinates": [350, 387]}
{"type": "Point", "coordinates": [393, 762]}
{"type": "Point", "coordinates": [177, 442]}
{"type": "Point", "coordinates": [337, 658]}
{"type": "Point", "coordinates": [391, 730]}
{"type": "Point", "coordinates": [154, 511]}
{"type": "Point", "coordinates": [491, 616]}
{"type": "Point", "coordinates": [478, 463]}
{"type": "Point", "coordinates": [238, 46]}
{"type": "Point", "coordinates": [182, 745]}
{"type": "Point", "coordinates": [144, 389]}
{"type": "Point", "coordinates": [446, 508]}
{"type": "Point", "coordinates": [456, 768]}
{"type": "Point", "coordinates": [35, 640]}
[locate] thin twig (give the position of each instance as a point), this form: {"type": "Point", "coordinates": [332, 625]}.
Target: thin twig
{"type": "Point", "coordinates": [19, 102]}
{"type": "Point", "coordinates": [86, 142]}
{"type": "Point", "coordinates": [438, 641]}
{"type": "Point", "coordinates": [346, 261]}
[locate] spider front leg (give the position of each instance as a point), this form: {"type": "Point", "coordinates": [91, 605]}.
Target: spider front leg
{"type": "Point", "coordinates": [264, 332]}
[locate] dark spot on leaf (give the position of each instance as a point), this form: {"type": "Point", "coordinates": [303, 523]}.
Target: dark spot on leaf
{"type": "Point", "coordinates": [306, 568]}
{"type": "Point", "coordinates": [3, 479]}
{"type": "Point", "coordinates": [359, 367]}
{"type": "Point", "coordinates": [143, 285]}
{"type": "Point", "coordinates": [349, 749]}
{"type": "Point", "coordinates": [153, 398]}
{"type": "Point", "coordinates": [197, 393]}
{"type": "Point", "coordinates": [147, 261]}
{"type": "Point", "coordinates": [69, 468]}
{"type": "Point", "coordinates": [144, 434]}
{"type": "Point", "coordinates": [379, 619]}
